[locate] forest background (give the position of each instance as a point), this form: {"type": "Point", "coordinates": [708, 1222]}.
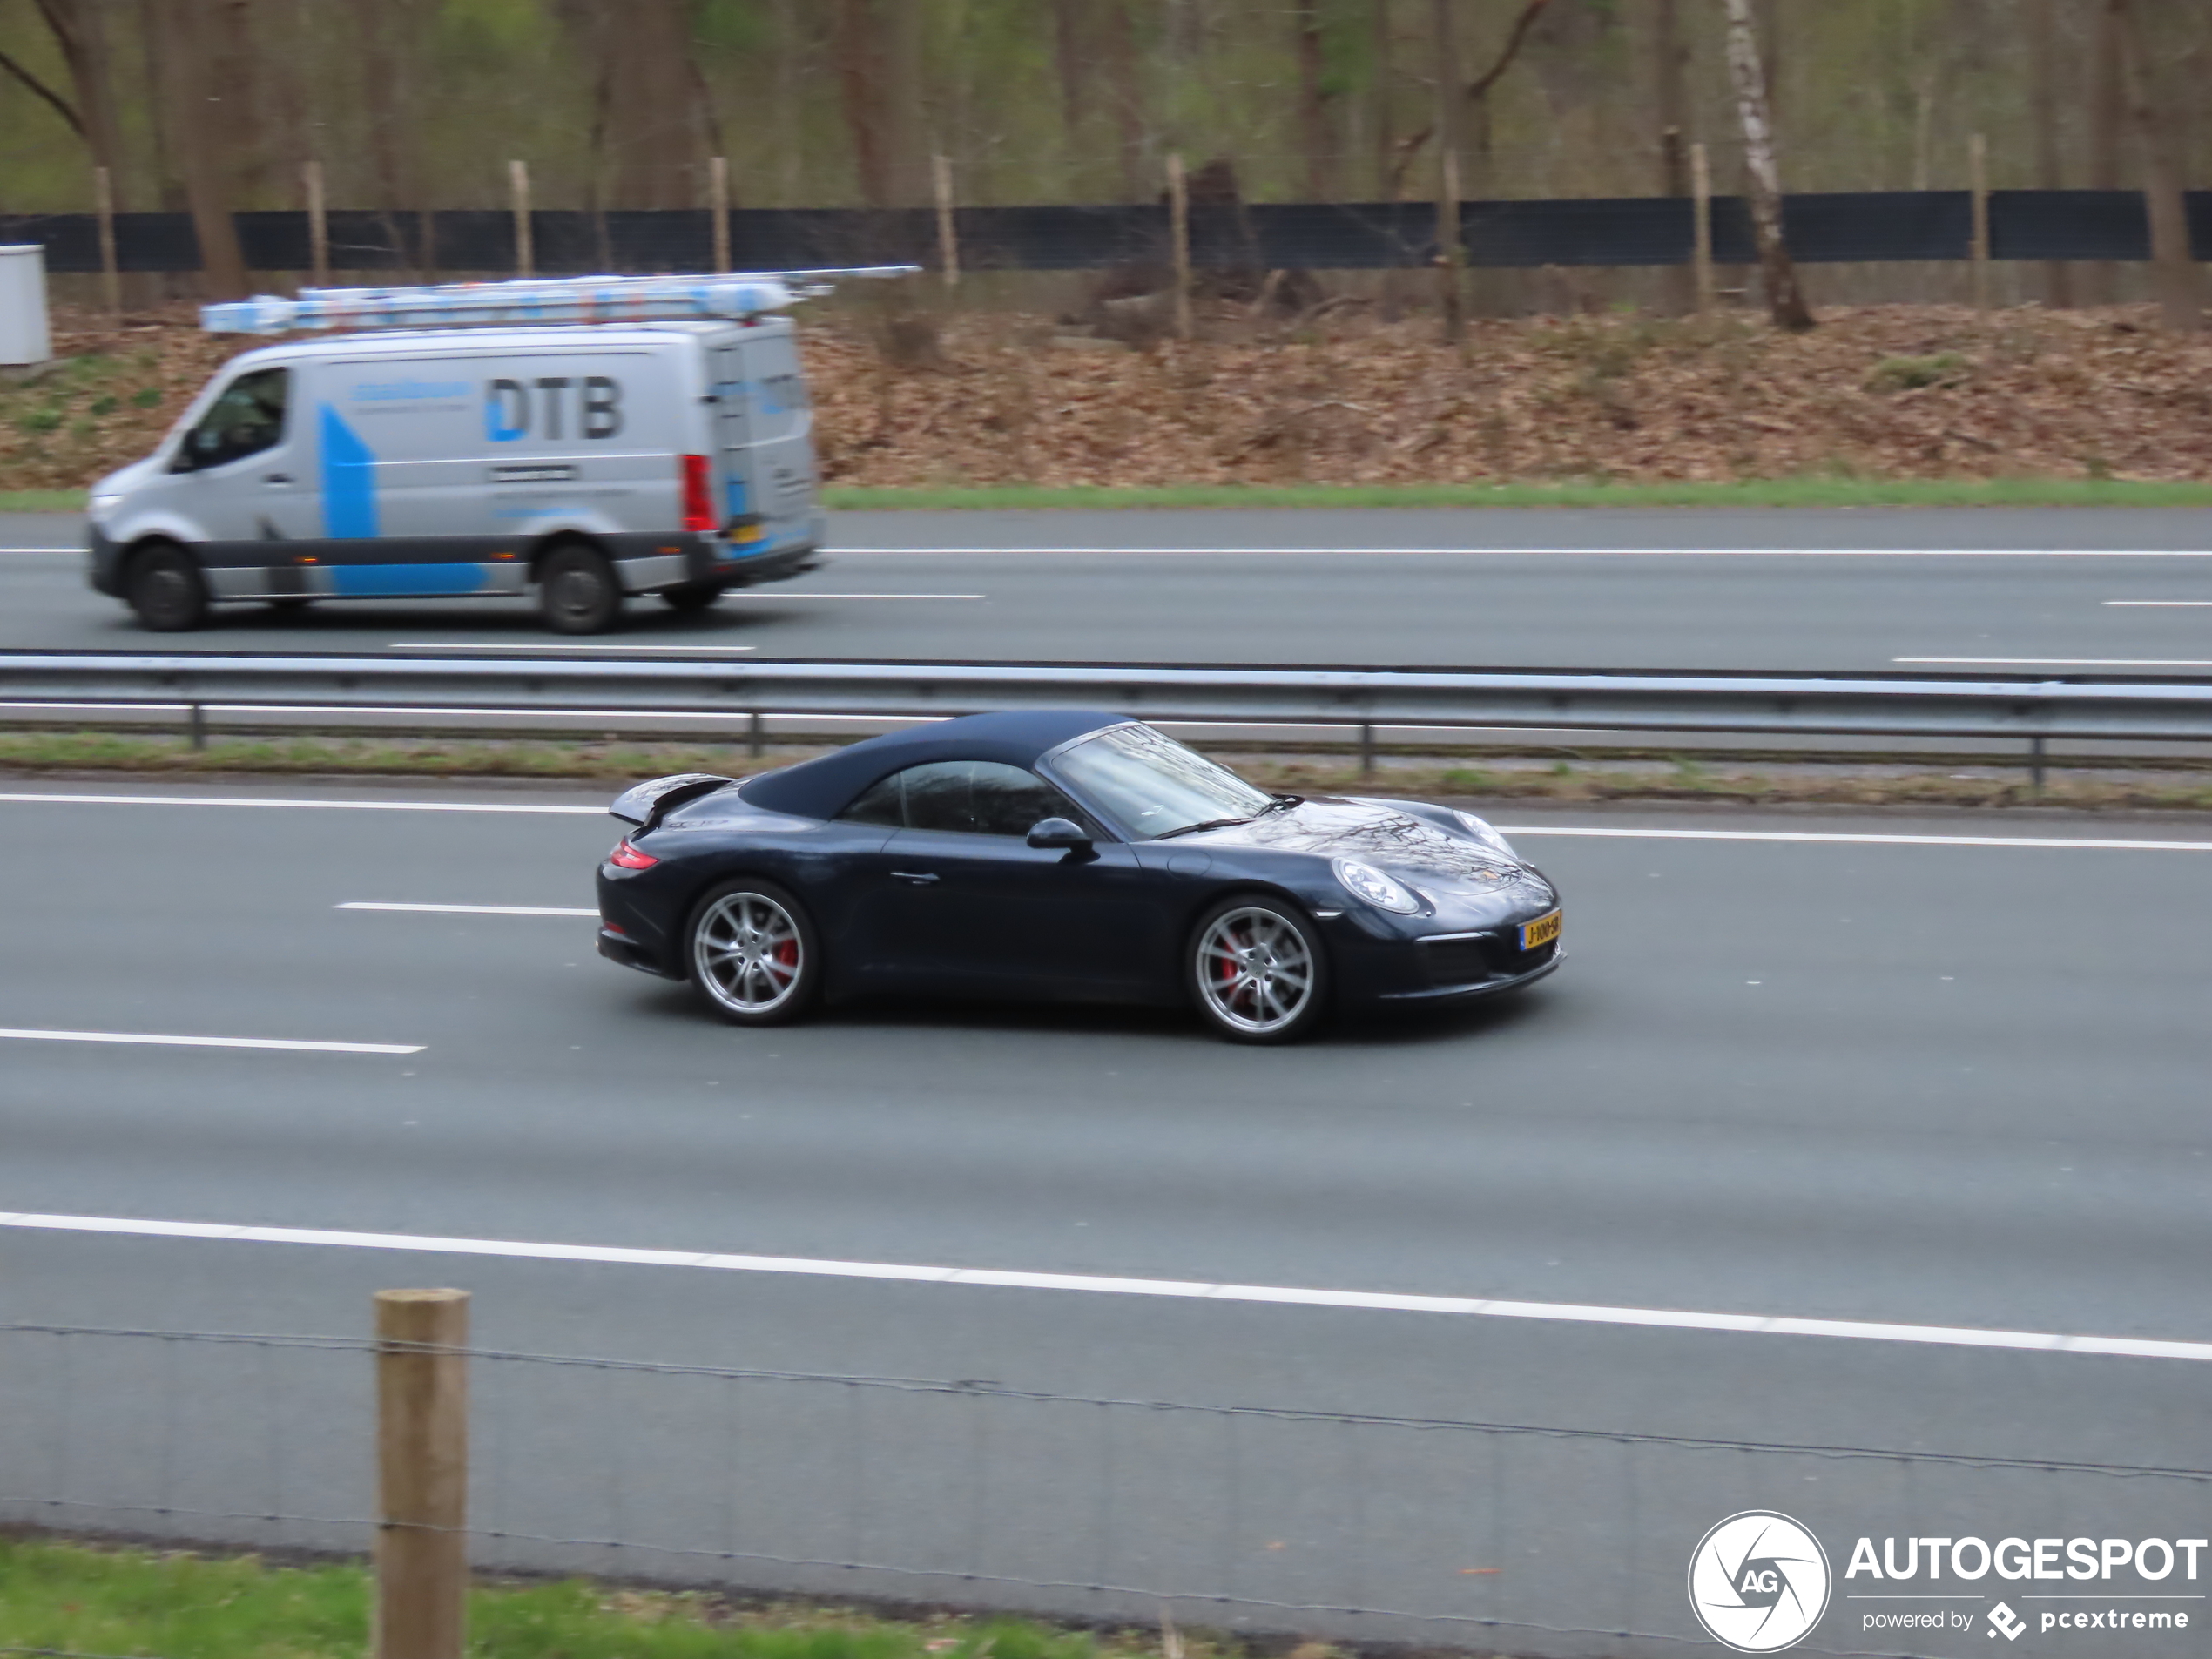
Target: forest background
{"type": "Point", "coordinates": [621, 104]}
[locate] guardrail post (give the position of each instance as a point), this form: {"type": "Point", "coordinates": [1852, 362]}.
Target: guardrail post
{"type": "Point", "coordinates": [1366, 749]}
{"type": "Point", "coordinates": [2035, 762]}
{"type": "Point", "coordinates": [196, 726]}
{"type": "Point", "coordinates": [756, 743]}
{"type": "Point", "coordinates": [421, 1552]}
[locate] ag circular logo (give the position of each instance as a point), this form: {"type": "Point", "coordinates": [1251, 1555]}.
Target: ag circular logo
{"type": "Point", "coordinates": [1758, 1582]}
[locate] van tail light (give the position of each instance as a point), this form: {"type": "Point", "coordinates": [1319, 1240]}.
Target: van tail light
{"type": "Point", "coordinates": [699, 498]}
{"type": "Point", "coordinates": [626, 856]}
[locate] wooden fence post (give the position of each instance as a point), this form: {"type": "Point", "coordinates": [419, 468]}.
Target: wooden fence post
{"type": "Point", "coordinates": [111, 274]}
{"type": "Point", "coordinates": [1179, 238]}
{"type": "Point", "coordinates": [940, 174]}
{"type": "Point", "coordinates": [1451, 250]}
{"type": "Point", "coordinates": [1701, 195]}
{"type": "Point", "coordinates": [318, 226]}
{"type": "Point", "coordinates": [1977, 172]}
{"type": "Point", "coordinates": [421, 1552]}
{"type": "Point", "coordinates": [518, 193]}
{"type": "Point", "coordinates": [718, 190]}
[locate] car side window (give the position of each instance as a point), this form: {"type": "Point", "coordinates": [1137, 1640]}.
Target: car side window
{"type": "Point", "coordinates": [963, 797]}
{"type": "Point", "coordinates": [246, 417]}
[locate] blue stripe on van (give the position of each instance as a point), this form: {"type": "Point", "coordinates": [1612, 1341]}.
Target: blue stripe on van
{"type": "Point", "coordinates": [411, 581]}
{"type": "Point", "coordinates": [348, 481]}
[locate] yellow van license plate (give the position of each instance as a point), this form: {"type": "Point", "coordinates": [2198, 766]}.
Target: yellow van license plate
{"type": "Point", "coordinates": [1540, 932]}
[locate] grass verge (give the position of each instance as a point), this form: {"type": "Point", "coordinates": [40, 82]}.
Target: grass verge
{"type": "Point", "coordinates": [615, 763]}
{"type": "Point", "coordinates": [1750, 492]}
{"type": "Point", "coordinates": [41, 500]}
{"type": "Point", "coordinates": [73, 1599]}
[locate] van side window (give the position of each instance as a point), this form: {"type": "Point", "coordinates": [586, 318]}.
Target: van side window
{"type": "Point", "coordinates": [246, 418]}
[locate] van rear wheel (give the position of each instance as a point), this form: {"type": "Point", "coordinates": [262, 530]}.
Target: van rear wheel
{"type": "Point", "coordinates": [166, 589]}
{"type": "Point", "coordinates": [576, 591]}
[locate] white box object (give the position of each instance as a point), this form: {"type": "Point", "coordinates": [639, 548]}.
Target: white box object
{"type": "Point", "coordinates": [24, 337]}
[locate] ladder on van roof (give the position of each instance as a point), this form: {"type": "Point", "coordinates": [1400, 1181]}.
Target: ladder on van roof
{"type": "Point", "coordinates": [562, 300]}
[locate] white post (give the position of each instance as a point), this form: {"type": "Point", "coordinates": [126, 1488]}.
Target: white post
{"type": "Point", "coordinates": [24, 336]}
{"type": "Point", "coordinates": [518, 189]}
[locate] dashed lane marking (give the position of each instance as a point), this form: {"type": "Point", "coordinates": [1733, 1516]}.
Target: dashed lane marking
{"type": "Point", "coordinates": [287, 1043]}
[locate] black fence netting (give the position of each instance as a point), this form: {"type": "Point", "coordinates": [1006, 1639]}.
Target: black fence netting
{"type": "Point", "coordinates": [1836, 228]}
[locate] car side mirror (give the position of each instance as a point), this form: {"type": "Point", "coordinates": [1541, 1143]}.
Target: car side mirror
{"type": "Point", "coordinates": [1059, 833]}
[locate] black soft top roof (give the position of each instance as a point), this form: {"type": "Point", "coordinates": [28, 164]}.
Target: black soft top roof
{"type": "Point", "coordinates": [825, 787]}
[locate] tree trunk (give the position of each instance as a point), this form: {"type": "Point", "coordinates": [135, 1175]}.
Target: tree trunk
{"type": "Point", "coordinates": [906, 93]}
{"type": "Point", "coordinates": [1451, 251]}
{"type": "Point", "coordinates": [1381, 49]}
{"type": "Point", "coordinates": [1313, 104]}
{"type": "Point", "coordinates": [1670, 102]}
{"type": "Point", "coordinates": [2107, 117]}
{"type": "Point", "coordinates": [2043, 115]}
{"type": "Point", "coordinates": [1786, 299]}
{"type": "Point", "coordinates": [385, 38]}
{"type": "Point", "coordinates": [1069, 60]}
{"type": "Point", "coordinates": [186, 34]}
{"type": "Point", "coordinates": [1125, 88]}
{"type": "Point", "coordinates": [860, 77]}
{"type": "Point", "coordinates": [80, 30]}
{"type": "Point", "coordinates": [2173, 271]}
{"type": "Point", "coordinates": [657, 121]}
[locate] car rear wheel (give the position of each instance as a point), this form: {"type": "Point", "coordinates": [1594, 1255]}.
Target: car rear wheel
{"type": "Point", "coordinates": [166, 589]}
{"type": "Point", "coordinates": [1256, 970]}
{"type": "Point", "coordinates": [691, 597]}
{"type": "Point", "coordinates": [576, 591]}
{"type": "Point", "coordinates": [754, 955]}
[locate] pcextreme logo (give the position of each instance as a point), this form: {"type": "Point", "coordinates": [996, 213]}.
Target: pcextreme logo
{"type": "Point", "coordinates": [1759, 1582]}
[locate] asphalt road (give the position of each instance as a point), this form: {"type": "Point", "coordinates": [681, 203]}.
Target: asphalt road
{"type": "Point", "coordinates": [1949, 1084]}
{"type": "Point", "coordinates": [1866, 588]}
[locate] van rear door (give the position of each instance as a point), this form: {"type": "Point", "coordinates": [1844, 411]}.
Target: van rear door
{"type": "Point", "coordinates": [766, 427]}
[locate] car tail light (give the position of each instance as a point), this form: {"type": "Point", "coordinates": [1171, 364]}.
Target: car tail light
{"type": "Point", "coordinates": [626, 856]}
{"type": "Point", "coordinates": [699, 499]}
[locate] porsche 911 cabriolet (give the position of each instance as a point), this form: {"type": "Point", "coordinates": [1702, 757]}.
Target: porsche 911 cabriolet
{"type": "Point", "coordinates": [1067, 855]}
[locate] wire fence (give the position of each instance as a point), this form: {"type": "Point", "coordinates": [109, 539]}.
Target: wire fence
{"type": "Point", "coordinates": [968, 1493]}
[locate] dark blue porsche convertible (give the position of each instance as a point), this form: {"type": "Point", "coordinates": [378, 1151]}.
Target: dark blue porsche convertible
{"type": "Point", "coordinates": [1070, 855]}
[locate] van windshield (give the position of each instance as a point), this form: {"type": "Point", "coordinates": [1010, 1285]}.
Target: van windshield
{"type": "Point", "coordinates": [246, 418]}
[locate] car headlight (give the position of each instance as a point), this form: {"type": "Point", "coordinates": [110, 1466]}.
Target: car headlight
{"type": "Point", "coordinates": [103, 505]}
{"type": "Point", "coordinates": [1484, 833]}
{"type": "Point", "coordinates": [1364, 881]}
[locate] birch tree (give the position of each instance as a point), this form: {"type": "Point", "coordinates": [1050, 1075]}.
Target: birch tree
{"type": "Point", "coordinates": [1762, 178]}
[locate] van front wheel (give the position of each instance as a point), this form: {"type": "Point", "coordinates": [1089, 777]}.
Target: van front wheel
{"type": "Point", "coordinates": [166, 589]}
{"type": "Point", "coordinates": [576, 591]}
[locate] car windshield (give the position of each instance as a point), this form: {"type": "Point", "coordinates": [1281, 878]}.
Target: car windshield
{"type": "Point", "coordinates": [1154, 785]}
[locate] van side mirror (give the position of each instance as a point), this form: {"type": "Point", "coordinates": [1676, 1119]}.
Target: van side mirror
{"type": "Point", "coordinates": [1058, 833]}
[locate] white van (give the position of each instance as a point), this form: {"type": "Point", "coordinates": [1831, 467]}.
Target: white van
{"type": "Point", "coordinates": [586, 464]}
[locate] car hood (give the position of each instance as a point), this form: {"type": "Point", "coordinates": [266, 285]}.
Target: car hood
{"type": "Point", "coordinates": [1392, 840]}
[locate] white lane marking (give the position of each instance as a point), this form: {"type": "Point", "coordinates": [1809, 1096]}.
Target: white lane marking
{"type": "Point", "coordinates": [41, 549]}
{"type": "Point", "coordinates": [2158, 605]}
{"type": "Point", "coordinates": [2063, 662]}
{"type": "Point", "coordinates": [542, 649]}
{"type": "Point", "coordinates": [216, 1043]}
{"type": "Point", "coordinates": [333, 805]}
{"type": "Point", "coordinates": [2062, 843]}
{"type": "Point", "coordinates": [748, 594]}
{"type": "Point", "coordinates": [1590, 552]}
{"type": "Point", "coordinates": [1664, 1318]}
{"type": "Point", "coordinates": [468, 909]}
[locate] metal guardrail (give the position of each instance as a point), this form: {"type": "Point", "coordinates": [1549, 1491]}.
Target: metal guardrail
{"type": "Point", "coordinates": [1994, 709]}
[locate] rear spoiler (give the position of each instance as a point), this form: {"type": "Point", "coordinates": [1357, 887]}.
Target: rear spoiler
{"type": "Point", "coordinates": [649, 803]}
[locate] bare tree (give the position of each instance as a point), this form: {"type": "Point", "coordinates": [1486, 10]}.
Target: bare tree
{"type": "Point", "coordinates": [2043, 115]}
{"type": "Point", "coordinates": [1382, 50]}
{"type": "Point", "coordinates": [80, 31]}
{"type": "Point", "coordinates": [1069, 60]}
{"type": "Point", "coordinates": [2107, 117]}
{"type": "Point", "coordinates": [2173, 272]}
{"type": "Point", "coordinates": [656, 132]}
{"type": "Point", "coordinates": [188, 37]}
{"type": "Point", "coordinates": [1786, 299]}
{"type": "Point", "coordinates": [1670, 102]}
{"type": "Point", "coordinates": [1125, 88]}
{"type": "Point", "coordinates": [1314, 122]}
{"type": "Point", "coordinates": [1450, 253]}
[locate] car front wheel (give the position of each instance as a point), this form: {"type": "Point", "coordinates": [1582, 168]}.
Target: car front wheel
{"type": "Point", "coordinates": [754, 955]}
{"type": "Point", "coordinates": [1256, 970]}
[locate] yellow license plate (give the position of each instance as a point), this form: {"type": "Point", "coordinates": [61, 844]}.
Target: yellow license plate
{"type": "Point", "coordinates": [1540, 932]}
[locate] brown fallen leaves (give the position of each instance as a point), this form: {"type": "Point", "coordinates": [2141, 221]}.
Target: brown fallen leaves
{"type": "Point", "coordinates": [1885, 392]}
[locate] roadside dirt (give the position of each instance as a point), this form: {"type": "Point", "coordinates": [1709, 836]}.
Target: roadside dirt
{"type": "Point", "coordinates": [1878, 392]}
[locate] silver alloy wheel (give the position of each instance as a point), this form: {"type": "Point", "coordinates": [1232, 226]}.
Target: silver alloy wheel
{"type": "Point", "coordinates": [1255, 970]}
{"type": "Point", "coordinates": [748, 952]}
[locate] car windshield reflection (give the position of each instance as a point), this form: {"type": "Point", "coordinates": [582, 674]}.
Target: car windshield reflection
{"type": "Point", "coordinates": [1153, 786]}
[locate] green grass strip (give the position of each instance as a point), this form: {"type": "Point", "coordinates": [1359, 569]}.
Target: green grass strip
{"type": "Point", "coordinates": [41, 500]}
{"type": "Point", "coordinates": [125, 1601]}
{"type": "Point", "coordinates": [1750, 492]}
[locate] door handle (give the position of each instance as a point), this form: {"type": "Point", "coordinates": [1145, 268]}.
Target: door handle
{"type": "Point", "coordinates": [276, 478]}
{"type": "Point", "coordinates": [919, 878]}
